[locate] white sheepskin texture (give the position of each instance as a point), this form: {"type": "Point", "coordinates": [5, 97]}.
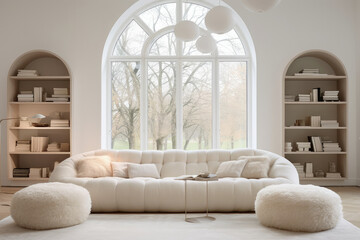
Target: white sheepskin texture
{"type": "Point", "coordinates": [50, 205]}
{"type": "Point", "coordinates": [300, 208]}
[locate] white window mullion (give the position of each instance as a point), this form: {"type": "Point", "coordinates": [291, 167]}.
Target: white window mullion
{"type": "Point", "coordinates": [143, 105]}
{"type": "Point", "coordinates": [109, 106]}
{"type": "Point", "coordinates": [179, 105]}
{"type": "Point", "coordinates": [215, 106]}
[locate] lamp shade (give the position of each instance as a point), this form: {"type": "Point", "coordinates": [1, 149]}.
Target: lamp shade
{"type": "Point", "coordinates": [219, 20]}
{"type": "Point", "coordinates": [186, 30]}
{"type": "Point", "coordinates": [259, 5]}
{"type": "Point", "coordinates": [206, 44]}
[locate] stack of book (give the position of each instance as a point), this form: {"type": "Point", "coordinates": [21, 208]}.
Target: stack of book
{"type": "Point", "coordinates": [60, 95]}
{"type": "Point", "coordinates": [331, 147]}
{"type": "Point", "coordinates": [25, 96]}
{"type": "Point", "coordinates": [300, 169]}
{"type": "Point", "coordinates": [54, 147]}
{"type": "Point", "coordinates": [38, 94]}
{"type": "Point", "coordinates": [316, 144]}
{"type": "Point", "coordinates": [329, 123]}
{"type": "Point", "coordinates": [329, 96]}
{"type": "Point", "coordinates": [27, 73]}
{"type": "Point", "coordinates": [303, 146]}
{"type": "Point", "coordinates": [45, 172]}
{"type": "Point", "coordinates": [333, 175]}
{"type": "Point", "coordinates": [39, 144]}
{"type": "Point", "coordinates": [35, 172]}
{"type": "Point", "coordinates": [59, 123]}
{"type": "Point", "coordinates": [308, 71]}
{"type": "Point", "coordinates": [314, 121]}
{"type": "Point", "coordinates": [290, 98]}
{"type": "Point", "coordinates": [309, 170]}
{"type": "Point", "coordinates": [23, 146]}
{"type": "Point", "coordinates": [303, 97]}
{"type": "Point", "coordinates": [288, 147]}
{"type": "Point", "coordinates": [21, 172]}
{"type": "Point", "coordinates": [65, 147]}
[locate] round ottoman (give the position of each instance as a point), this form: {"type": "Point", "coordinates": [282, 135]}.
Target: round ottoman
{"type": "Point", "coordinates": [50, 205]}
{"type": "Point", "coordinates": [305, 208]}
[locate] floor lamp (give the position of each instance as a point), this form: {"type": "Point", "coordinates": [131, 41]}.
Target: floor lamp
{"type": "Point", "coordinates": [36, 116]}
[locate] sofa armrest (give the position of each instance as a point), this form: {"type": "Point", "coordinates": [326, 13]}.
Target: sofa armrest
{"type": "Point", "coordinates": [283, 168]}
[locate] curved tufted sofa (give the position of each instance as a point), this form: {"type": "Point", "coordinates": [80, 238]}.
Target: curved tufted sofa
{"type": "Point", "coordinates": [113, 194]}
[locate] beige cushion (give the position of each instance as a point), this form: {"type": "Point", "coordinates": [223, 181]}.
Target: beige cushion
{"type": "Point", "coordinates": [142, 170]}
{"type": "Point", "coordinates": [256, 166]}
{"type": "Point", "coordinates": [231, 168]}
{"type": "Point", "coordinates": [94, 166]}
{"type": "Point", "coordinates": [120, 169]}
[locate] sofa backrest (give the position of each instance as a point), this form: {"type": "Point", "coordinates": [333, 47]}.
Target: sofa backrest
{"type": "Point", "coordinates": [172, 163]}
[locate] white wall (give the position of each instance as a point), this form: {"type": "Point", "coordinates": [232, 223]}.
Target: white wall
{"type": "Point", "coordinates": [358, 85]}
{"type": "Point", "coordinates": [77, 31]}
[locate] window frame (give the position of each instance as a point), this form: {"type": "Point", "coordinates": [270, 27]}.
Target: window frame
{"type": "Point", "coordinates": [215, 60]}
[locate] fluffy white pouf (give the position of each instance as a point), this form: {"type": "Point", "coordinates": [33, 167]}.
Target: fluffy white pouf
{"type": "Point", "coordinates": [50, 205]}
{"type": "Point", "coordinates": [305, 208]}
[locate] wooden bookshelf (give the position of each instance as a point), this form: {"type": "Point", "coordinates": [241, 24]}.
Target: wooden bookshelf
{"type": "Point", "coordinates": [53, 73]}
{"type": "Point", "coordinates": [336, 79]}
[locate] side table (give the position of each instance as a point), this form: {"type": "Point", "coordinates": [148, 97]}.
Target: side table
{"type": "Point", "coordinates": [206, 217]}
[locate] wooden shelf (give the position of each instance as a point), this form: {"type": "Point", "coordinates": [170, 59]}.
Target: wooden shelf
{"type": "Point", "coordinates": [54, 74]}
{"type": "Point", "coordinates": [315, 103]}
{"type": "Point", "coordinates": [322, 179]}
{"type": "Point", "coordinates": [314, 153]}
{"type": "Point", "coordinates": [315, 77]}
{"type": "Point", "coordinates": [38, 103]}
{"type": "Point", "coordinates": [39, 128]}
{"type": "Point", "coordinates": [29, 179]}
{"type": "Point", "coordinates": [39, 153]}
{"type": "Point", "coordinates": [42, 78]}
{"type": "Point", "coordinates": [315, 128]}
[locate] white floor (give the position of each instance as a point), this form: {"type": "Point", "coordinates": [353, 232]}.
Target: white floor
{"type": "Point", "coordinates": [171, 226]}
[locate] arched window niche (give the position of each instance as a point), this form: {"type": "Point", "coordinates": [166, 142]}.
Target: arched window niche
{"type": "Point", "coordinates": [160, 93]}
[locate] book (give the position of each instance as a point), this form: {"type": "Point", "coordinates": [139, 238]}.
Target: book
{"type": "Point", "coordinates": [200, 177]}
{"type": "Point", "coordinates": [333, 175]}
{"type": "Point", "coordinates": [309, 170]}
{"type": "Point", "coordinates": [39, 144]}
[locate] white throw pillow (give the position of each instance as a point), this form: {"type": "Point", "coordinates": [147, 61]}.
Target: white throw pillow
{"type": "Point", "coordinates": [231, 168]}
{"type": "Point", "coordinates": [142, 170]}
{"type": "Point", "coordinates": [256, 166]}
{"type": "Point", "coordinates": [94, 166]}
{"type": "Point", "coordinates": [120, 169]}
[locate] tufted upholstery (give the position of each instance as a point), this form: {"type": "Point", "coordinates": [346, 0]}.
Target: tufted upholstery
{"type": "Point", "coordinates": [109, 194]}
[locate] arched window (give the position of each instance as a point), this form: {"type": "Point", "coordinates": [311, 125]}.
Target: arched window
{"type": "Point", "coordinates": [167, 95]}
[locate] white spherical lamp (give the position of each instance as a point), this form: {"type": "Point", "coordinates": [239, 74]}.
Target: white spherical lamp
{"type": "Point", "coordinates": [219, 20]}
{"type": "Point", "coordinates": [206, 44]}
{"type": "Point", "coordinates": [259, 6]}
{"type": "Point", "coordinates": [186, 31]}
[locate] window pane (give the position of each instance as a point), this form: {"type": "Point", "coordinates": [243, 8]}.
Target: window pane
{"type": "Point", "coordinates": [197, 105]}
{"type": "Point", "coordinates": [160, 16]}
{"type": "Point", "coordinates": [161, 105]}
{"type": "Point", "coordinates": [164, 46]}
{"type": "Point", "coordinates": [131, 41]}
{"type": "Point", "coordinates": [125, 105]}
{"type": "Point", "coordinates": [195, 13]}
{"type": "Point", "coordinates": [229, 44]}
{"type": "Point", "coordinates": [232, 105]}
